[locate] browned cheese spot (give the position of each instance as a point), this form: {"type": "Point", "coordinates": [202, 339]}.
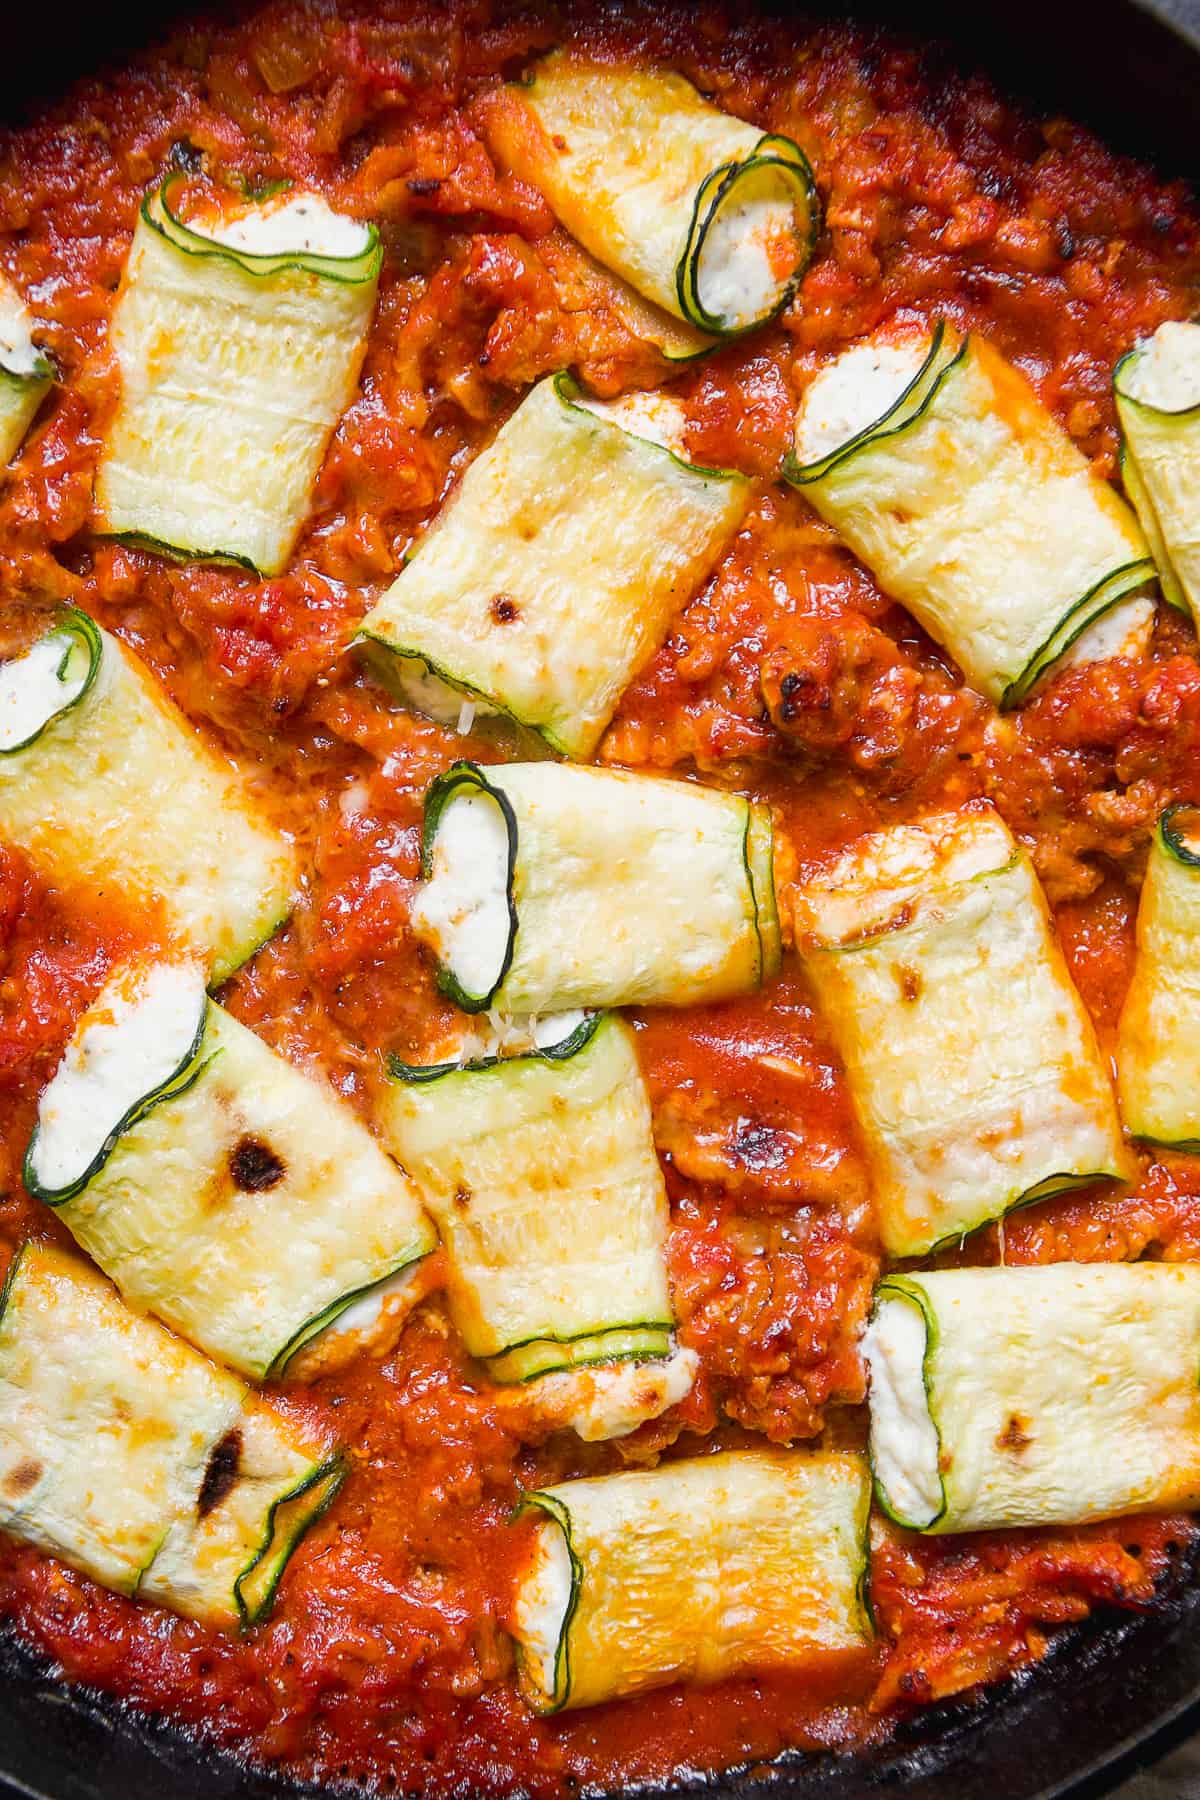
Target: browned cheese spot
{"type": "Point", "coordinates": [504, 609]}
{"type": "Point", "coordinates": [23, 1479]}
{"type": "Point", "coordinates": [1014, 1437]}
{"type": "Point", "coordinates": [221, 1473]}
{"type": "Point", "coordinates": [255, 1166]}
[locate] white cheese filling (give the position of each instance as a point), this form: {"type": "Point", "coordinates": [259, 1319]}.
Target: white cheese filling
{"type": "Point", "coordinates": [18, 352]}
{"type": "Point", "coordinates": [1124, 630]}
{"type": "Point", "coordinates": [612, 1400]}
{"type": "Point", "coordinates": [853, 393]}
{"type": "Point", "coordinates": [659, 418]}
{"type": "Point", "coordinates": [1166, 374]}
{"type": "Point", "coordinates": [461, 912]}
{"type": "Point", "coordinates": [302, 224]}
{"type": "Point", "coordinates": [498, 1034]}
{"type": "Point", "coordinates": [750, 250]}
{"type": "Point", "coordinates": [418, 688]}
{"type": "Point", "coordinates": [370, 1322]}
{"type": "Point", "coordinates": [542, 1601]}
{"type": "Point", "coordinates": [39, 684]}
{"type": "Point", "coordinates": [129, 1043]}
{"type": "Point", "coordinates": [904, 1440]}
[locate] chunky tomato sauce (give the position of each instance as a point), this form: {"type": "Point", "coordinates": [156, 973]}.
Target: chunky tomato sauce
{"type": "Point", "coordinates": [789, 676]}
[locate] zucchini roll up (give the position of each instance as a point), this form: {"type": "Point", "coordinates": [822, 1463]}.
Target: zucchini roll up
{"type": "Point", "coordinates": [972, 1063]}
{"type": "Point", "coordinates": [1158, 1043]}
{"type": "Point", "coordinates": [239, 336]}
{"type": "Point", "coordinates": [693, 1571]}
{"type": "Point", "coordinates": [541, 1172]}
{"type": "Point", "coordinates": [133, 1458]}
{"type": "Point", "coordinates": [701, 213]}
{"type": "Point", "coordinates": [1035, 1396]}
{"type": "Point", "coordinates": [219, 1187]}
{"type": "Point", "coordinates": [26, 373]}
{"type": "Point", "coordinates": [949, 479]}
{"type": "Point", "coordinates": [551, 577]}
{"type": "Point", "coordinates": [1157, 390]}
{"type": "Point", "coordinates": [547, 887]}
{"type": "Point", "coordinates": [105, 784]}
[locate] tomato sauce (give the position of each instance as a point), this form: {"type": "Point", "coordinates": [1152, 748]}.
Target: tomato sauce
{"type": "Point", "coordinates": [789, 676]}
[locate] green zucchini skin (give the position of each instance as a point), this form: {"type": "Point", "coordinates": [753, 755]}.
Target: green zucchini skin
{"type": "Point", "coordinates": [329, 1478]}
{"type": "Point", "coordinates": [771, 153]}
{"type": "Point", "coordinates": [421, 1074]}
{"type": "Point", "coordinates": [159, 212]}
{"type": "Point", "coordinates": [459, 778]}
{"type": "Point", "coordinates": [83, 630]}
{"type": "Point", "coordinates": [895, 1287]}
{"type": "Point", "coordinates": [904, 411]}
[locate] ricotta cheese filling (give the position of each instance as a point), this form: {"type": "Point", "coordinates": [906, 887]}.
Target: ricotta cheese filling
{"type": "Point", "coordinates": [541, 1604]}
{"type": "Point", "coordinates": [750, 250]}
{"type": "Point", "coordinates": [19, 355]}
{"type": "Point", "coordinates": [659, 418]}
{"type": "Point", "coordinates": [498, 1034]}
{"type": "Point", "coordinates": [610, 1402]}
{"type": "Point", "coordinates": [1166, 373]}
{"type": "Point", "coordinates": [853, 393]}
{"type": "Point", "coordinates": [461, 912]}
{"type": "Point", "coordinates": [131, 1041]}
{"type": "Point", "coordinates": [367, 1323]}
{"type": "Point", "coordinates": [300, 223]}
{"type": "Point", "coordinates": [434, 698]}
{"type": "Point", "coordinates": [35, 686]}
{"type": "Point", "coordinates": [904, 1439]}
{"type": "Point", "coordinates": [1124, 630]}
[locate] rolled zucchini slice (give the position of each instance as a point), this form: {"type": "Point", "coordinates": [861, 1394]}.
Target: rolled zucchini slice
{"type": "Point", "coordinates": [1035, 1396]}
{"type": "Point", "coordinates": [130, 1456]}
{"type": "Point", "coordinates": [1158, 1042]}
{"type": "Point", "coordinates": [219, 1187]}
{"type": "Point", "coordinates": [945, 474]}
{"type": "Point", "coordinates": [26, 373]}
{"type": "Point", "coordinates": [551, 577]}
{"type": "Point", "coordinates": [541, 1172]}
{"type": "Point", "coordinates": [239, 336]}
{"type": "Point", "coordinates": [1157, 391]}
{"type": "Point", "coordinates": [106, 786]}
{"type": "Point", "coordinates": [973, 1065]}
{"type": "Point", "coordinates": [703, 214]}
{"type": "Point", "coordinates": [693, 1571]}
{"type": "Point", "coordinates": [547, 887]}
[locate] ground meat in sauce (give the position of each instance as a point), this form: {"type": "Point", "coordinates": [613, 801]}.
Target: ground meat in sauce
{"type": "Point", "coordinates": [788, 676]}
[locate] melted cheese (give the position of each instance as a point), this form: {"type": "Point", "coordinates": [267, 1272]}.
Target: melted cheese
{"type": "Point", "coordinates": [19, 355]}
{"type": "Point", "coordinates": [611, 1401]}
{"type": "Point", "coordinates": [852, 392]}
{"type": "Point", "coordinates": [749, 251]}
{"type": "Point", "coordinates": [1166, 372]}
{"type": "Point", "coordinates": [462, 909]}
{"type": "Point", "coordinates": [541, 1603]}
{"type": "Point", "coordinates": [303, 223]}
{"type": "Point", "coordinates": [904, 1441]}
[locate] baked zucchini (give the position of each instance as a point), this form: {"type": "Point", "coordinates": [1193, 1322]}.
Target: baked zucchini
{"type": "Point", "coordinates": [132, 1457]}
{"type": "Point", "coordinates": [705, 215]}
{"type": "Point", "coordinates": [694, 1571]}
{"type": "Point", "coordinates": [105, 784]}
{"type": "Point", "coordinates": [547, 887]}
{"type": "Point", "coordinates": [1158, 1043]}
{"type": "Point", "coordinates": [1035, 1396]}
{"type": "Point", "coordinates": [946, 475]}
{"type": "Point", "coordinates": [551, 577]}
{"type": "Point", "coordinates": [239, 337]}
{"type": "Point", "coordinates": [541, 1172]}
{"type": "Point", "coordinates": [973, 1065]}
{"type": "Point", "coordinates": [219, 1187]}
{"type": "Point", "coordinates": [1157, 391]}
{"type": "Point", "coordinates": [26, 373]}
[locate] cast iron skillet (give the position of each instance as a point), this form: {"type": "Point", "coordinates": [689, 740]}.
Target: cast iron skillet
{"type": "Point", "coordinates": [1114, 1693]}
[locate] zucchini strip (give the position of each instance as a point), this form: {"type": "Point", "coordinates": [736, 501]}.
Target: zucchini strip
{"type": "Point", "coordinates": [548, 887]}
{"type": "Point", "coordinates": [550, 578]}
{"type": "Point", "coordinates": [956, 487]}
{"type": "Point", "coordinates": [219, 1187]}
{"type": "Point", "coordinates": [694, 1571]}
{"type": "Point", "coordinates": [239, 345]}
{"type": "Point", "coordinates": [541, 1172]}
{"type": "Point", "coordinates": [1157, 391]}
{"type": "Point", "coordinates": [26, 373]}
{"type": "Point", "coordinates": [135, 1459]}
{"type": "Point", "coordinates": [706, 216]}
{"type": "Point", "coordinates": [105, 784]}
{"type": "Point", "coordinates": [973, 1065]}
{"type": "Point", "coordinates": [1158, 1042]}
{"type": "Point", "coordinates": [1035, 1396]}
